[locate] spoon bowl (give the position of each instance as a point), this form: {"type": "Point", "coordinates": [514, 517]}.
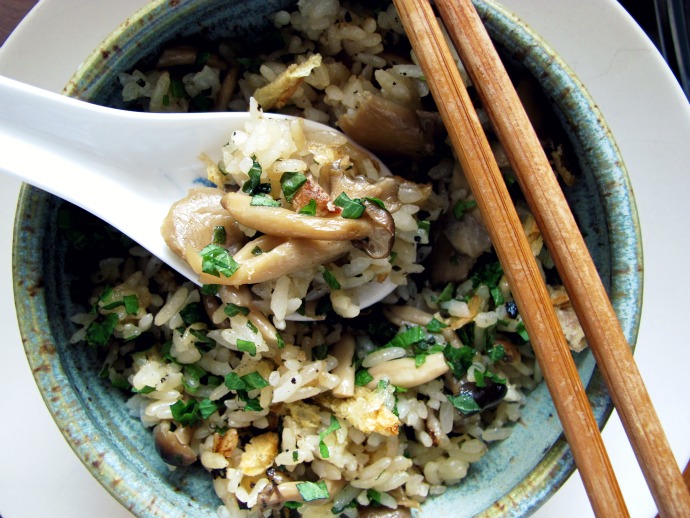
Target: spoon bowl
{"type": "Point", "coordinates": [125, 167]}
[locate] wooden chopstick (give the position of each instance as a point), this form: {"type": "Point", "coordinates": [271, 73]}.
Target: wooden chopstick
{"type": "Point", "coordinates": [569, 251]}
{"type": "Point", "coordinates": [520, 267]}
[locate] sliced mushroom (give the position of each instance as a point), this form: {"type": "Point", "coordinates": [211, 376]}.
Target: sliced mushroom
{"type": "Point", "coordinates": [404, 372]}
{"type": "Point", "coordinates": [187, 55]}
{"type": "Point", "coordinates": [277, 221]}
{"type": "Point", "coordinates": [468, 235]}
{"type": "Point", "coordinates": [386, 127]}
{"type": "Point", "coordinates": [227, 89]}
{"type": "Point", "coordinates": [191, 220]}
{"type": "Point", "coordinates": [447, 264]}
{"type": "Point", "coordinates": [211, 304]}
{"type": "Point", "coordinates": [488, 396]}
{"type": "Point", "coordinates": [291, 256]}
{"type": "Point", "coordinates": [379, 243]}
{"type": "Point", "coordinates": [170, 449]}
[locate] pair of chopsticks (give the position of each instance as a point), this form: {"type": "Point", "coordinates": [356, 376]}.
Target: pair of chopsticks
{"type": "Point", "coordinates": [566, 245]}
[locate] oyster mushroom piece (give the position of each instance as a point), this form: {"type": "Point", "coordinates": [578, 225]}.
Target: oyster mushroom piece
{"type": "Point", "coordinates": [379, 243]}
{"type": "Point", "coordinates": [290, 256]}
{"type": "Point", "coordinates": [191, 220]}
{"type": "Point", "coordinates": [468, 235]}
{"type": "Point", "coordinates": [488, 396]}
{"type": "Point", "coordinates": [277, 221]}
{"type": "Point", "coordinates": [170, 449]}
{"type": "Point", "coordinates": [405, 373]}
{"type": "Point", "coordinates": [388, 128]}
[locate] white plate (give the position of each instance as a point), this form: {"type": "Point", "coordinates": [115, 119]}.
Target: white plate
{"type": "Point", "coordinates": [640, 100]}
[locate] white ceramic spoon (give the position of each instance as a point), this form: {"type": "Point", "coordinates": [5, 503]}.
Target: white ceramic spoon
{"type": "Point", "coordinates": [125, 167]}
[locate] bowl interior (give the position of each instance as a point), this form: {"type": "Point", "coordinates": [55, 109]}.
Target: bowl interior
{"type": "Point", "coordinates": [517, 474]}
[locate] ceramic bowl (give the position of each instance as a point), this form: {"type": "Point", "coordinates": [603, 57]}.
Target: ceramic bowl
{"type": "Point", "coordinates": [513, 479]}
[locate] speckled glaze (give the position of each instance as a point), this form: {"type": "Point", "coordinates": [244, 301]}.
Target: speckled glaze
{"type": "Point", "coordinates": [513, 479]}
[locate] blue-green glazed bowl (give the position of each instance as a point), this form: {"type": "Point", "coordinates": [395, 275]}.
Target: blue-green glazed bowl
{"type": "Point", "coordinates": [513, 479]}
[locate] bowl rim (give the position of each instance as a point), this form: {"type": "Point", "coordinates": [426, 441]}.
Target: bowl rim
{"type": "Point", "coordinates": [546, 478]}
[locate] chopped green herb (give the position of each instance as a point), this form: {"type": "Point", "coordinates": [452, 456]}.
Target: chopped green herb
{"type": "Point", "coordinates": [279, 339]}
{"type": "Point", "coordinates": [420, 359]}
{"type": "Point", "coordinates": [490, 274]}
{"type": "Point", "coordinates": [187, 414]}
{"type": "Point", "coordinates": [263, 200]}
{"type": "Point", "coordinates": [251, 326]}
{"type": "Point", "coordinates": [479, 379]}
{"type": "Point", "coordinates": [425, 226]}
{"type": "Point", "coordinates": [352, 209]}
{"type": "Point", "coordinates": [309, 209]}
{"type": "Point", "coordinates": [393, 257]}
{"type": "Point", "coordinates": [207, 408]}
{"type": "Point", "coordinates": [232, 310]}
{"type": "Point", "coordinates": [311, 491]}
{"type": "Point", "coordinates": [362, 377]}
{"type": "Point", "coordinates": [254, 380]}
{"type": "Point", "coordinates": [332, 427]}
{"type": "Point", "coordinates": [382, 385]}
{"type": "Point", "coordinates": [217, 261]}
{"type": "Point", "coordinates": [295, 456]}
{"type": "Point", "coordinates": [522, 331]}
{"type": "Point", "coordinates": [131, 304]}
{"type": "Point", "coordinates": [119, 381]}
{"type": "Point", "coordinates": [435, 326]}
{"type": "Point", "coordinates": [191, 376]}
{"type": "Point", "coordinates": [464, 403]}
{"type": "Point", "coordinates": [291, 182]}
{"type": "Point", "coordinates": [246, 346]}
{"type": "Point", "coordinates": [191, 313]}
{"type": "Point", "coordinates": [99, 332]}
{"type": "Point", "coordinates": [253, 184]}
{"type": "Point", "coordinates": [496, 353]}
{"type": "Point", "coordinates": [219, 235]}
{"type": "Point", "coordinates": [408, 337]}
{"type": "Point", "coordinates": [497, 295]}
{"type": "Point", "coordinates": [234, 382]}
{"type": "Point", "coordinates": [330, 279]}
{"type": "Point", "coordinates": [251, 404]}
{"type": "Point", "coordinates": [339, 510]}
{"type": "Point", "coordinates": [145, 390]}
{"type": "Point", "coordinates": [201, 336]}
{"type": "Point", "coordinates": [177, 88]}
{"type": "Point", "coordinates": [209, 289]}
{"type": "Point", "coordinates": [459, 359]}
{"type": "Point", "coordinates": [374, 496]}
{"type": "Point", "coordinates": [461, 207]}
{"type": "Point", "coordinates": [447, 293]}
{"type": "Point", "coordinates": [375, 201]}
{"type": "Point", "coordinates": [292, 505]}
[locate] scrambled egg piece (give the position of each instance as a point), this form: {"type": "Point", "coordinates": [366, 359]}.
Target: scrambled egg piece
{"type": "Point", "coordinates": [277, 93]}
{"type": "Point", "coordinates": [225, 444]}
{"type": "Point", "coordinates": [366, 411]}
{"type": "Point", "coordinates": [305, 416]}
{"type": "Point", "coordinates": [259, 454]}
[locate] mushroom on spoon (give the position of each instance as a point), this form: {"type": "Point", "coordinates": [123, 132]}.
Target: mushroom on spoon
{"type": "Point", "coordinates": [127, 168]}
